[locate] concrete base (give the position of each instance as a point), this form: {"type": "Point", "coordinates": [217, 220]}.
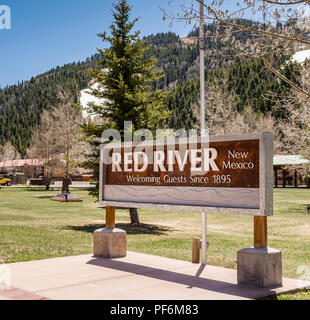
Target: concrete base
{"type": "Point", "coordinates": [110, 243]}
{"type": "Point", "coordinates": [260, 267]}
{"type": "Point", "coordinates": [136, 277]}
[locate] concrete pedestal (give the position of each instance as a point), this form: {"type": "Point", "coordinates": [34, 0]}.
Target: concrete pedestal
{"type": "Point", "coordinates": [260, 267]}
{"type": "Point", "coordinates": [110, 243]}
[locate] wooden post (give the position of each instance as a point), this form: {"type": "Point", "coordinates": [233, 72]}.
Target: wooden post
{"type": "Point", "coordinates": [260, 232]}
{"type": "Point", "coordinates": [110, 217]}
{"type": "Point", "coordinates": [196, 250]}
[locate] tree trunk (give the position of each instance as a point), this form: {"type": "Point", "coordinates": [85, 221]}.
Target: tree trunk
{"type": "Point", "coordinates": [47, 186]}
{"type": "Point", "coordinates": [134, 217]}
{"type": "Point", "coordinates": [66, 181]}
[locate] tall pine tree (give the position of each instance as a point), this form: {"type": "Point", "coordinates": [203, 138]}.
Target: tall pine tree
{"type": "Point", "coordinates": [125, 77]}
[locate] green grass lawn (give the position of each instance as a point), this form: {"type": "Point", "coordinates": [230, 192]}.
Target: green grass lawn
{"type": "Point", "coordinates": [34, 227]}
{"type": "Point", "coordinates": [300, 295]}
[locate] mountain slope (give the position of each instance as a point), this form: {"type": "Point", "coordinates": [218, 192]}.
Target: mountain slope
{"type": "Point", "coordinates": [21, 105]}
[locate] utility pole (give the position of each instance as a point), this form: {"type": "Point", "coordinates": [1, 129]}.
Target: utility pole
{"type": "Point", "coordinates": [202, 70]}
{"type": "Point", "coordinates": [202, 122]}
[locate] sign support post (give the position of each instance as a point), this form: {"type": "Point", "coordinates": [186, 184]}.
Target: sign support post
{"type": "Point", "coordinates": [260, 232]}
{"type": "Point", "coordinates": [110, 217]}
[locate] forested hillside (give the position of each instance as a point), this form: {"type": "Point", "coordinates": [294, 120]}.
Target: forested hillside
{"type": "Point", "coordinates": [21, 105]}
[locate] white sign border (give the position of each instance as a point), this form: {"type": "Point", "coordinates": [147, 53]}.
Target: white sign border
{"type": "Point", "coordinates": [265, 176]}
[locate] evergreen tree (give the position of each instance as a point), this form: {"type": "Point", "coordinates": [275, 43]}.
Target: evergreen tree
{"type": "Point", "coordinates": [125, 77]}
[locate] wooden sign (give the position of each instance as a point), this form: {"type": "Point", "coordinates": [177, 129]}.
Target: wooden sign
{"type": "Point", "coordinates": [229, 174]}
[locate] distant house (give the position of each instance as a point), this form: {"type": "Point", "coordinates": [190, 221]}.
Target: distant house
{"type": "Point", "coordinates": [21, 170]}
{"type": "Point", "coordinates": [22, 165]}
{"type": "Point", "coordinates": [285, 177]}
{"type": "Point", "coordinates": [16, 164]}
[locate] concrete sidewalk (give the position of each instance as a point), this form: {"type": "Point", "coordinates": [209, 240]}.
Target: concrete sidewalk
{"type": "Point", "coordinates": [135, 277]}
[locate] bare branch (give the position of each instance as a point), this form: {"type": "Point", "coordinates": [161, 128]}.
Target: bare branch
{"type": "Point", "coordinates": [245, 28]}
{"type": "Point", "coordinates": [285, 3]}
{"type": "Point", "coordinates": [282, 77]}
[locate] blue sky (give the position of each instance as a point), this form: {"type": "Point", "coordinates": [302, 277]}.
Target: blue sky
{"type": "Point", "coordinates": [48, 33]}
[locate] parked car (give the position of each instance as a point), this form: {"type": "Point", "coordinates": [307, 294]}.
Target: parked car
{"type": "Point", "coordinates": [5, 181]}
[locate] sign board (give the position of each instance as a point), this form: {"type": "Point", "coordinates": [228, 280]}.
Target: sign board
{"type": "Point", "coordinates": [226, 174]}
